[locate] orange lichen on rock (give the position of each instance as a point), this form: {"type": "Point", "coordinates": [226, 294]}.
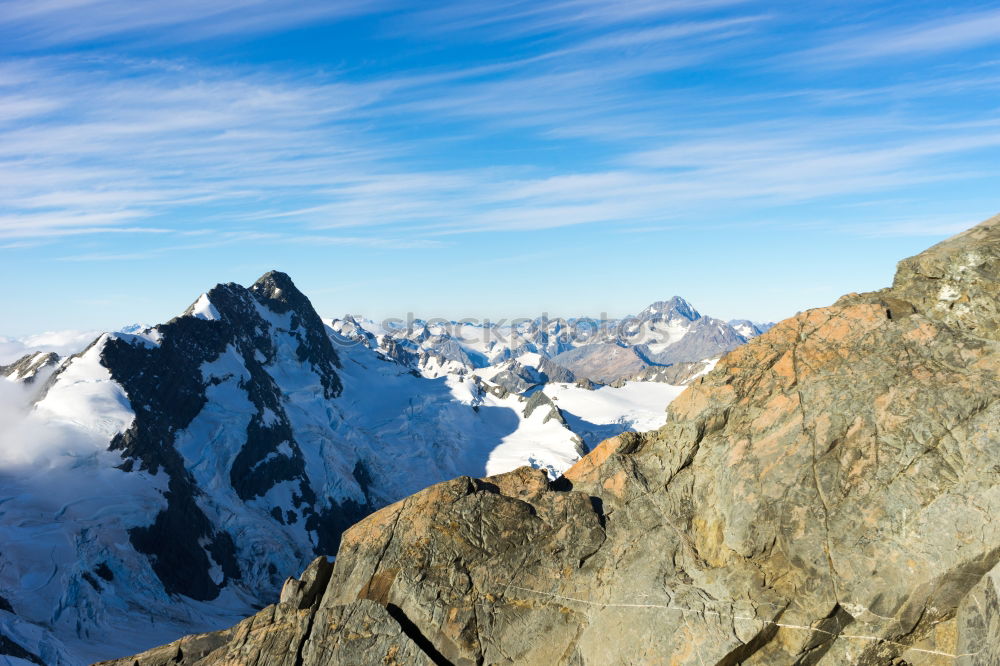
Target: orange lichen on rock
{"type": "Point", "coordinates": [585, 466]}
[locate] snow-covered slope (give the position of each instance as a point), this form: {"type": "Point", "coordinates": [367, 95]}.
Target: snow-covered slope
{"type": "Point", "coordinates": [598, 414]}
{"type": "Point", "coordinates": [181, 472]}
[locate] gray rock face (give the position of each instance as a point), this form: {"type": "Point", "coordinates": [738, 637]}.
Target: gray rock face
{"type": "Point", "coordinates": [516, 378]}
{"type": "Point", "coordinates": [538, 400]}
{"type": "Point", "coordinates": [603, 362]}
{"type": "Point", "coordinates": [706, 338]}
{"type": "Point", "coordinates": [296, 631]}
{"type": "Point", "coordinates": [826, 495]}
{"type": "Point", "coordinates": [955, 281]}
{"type": "Point", "coordinates": [303, 592]}
{"type": "Point", "coordinates": [677, 374]}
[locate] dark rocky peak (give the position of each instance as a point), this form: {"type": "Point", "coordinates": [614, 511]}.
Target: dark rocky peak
{"type": "Point", "coordinates": [277, 291]}
{"type": "Point", "coordinates": [393, 349]}
{"type": "Point", "coordinates": [539, 399]}
{"type": "Point", "coordinates": [230, 302]}
{"type": "Point", "coordinates": [237, 307]}
{"type": "Point", "coordinates": [663, 310]}
{"type": "Point", "coordinates": [554, 372]}
{"type": "Point", "coordinates": [270, 323]}
{"type": "Point", "coordinates": [517, 378]}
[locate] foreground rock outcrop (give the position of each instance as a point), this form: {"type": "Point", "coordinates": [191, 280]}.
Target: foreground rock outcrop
{"type": "Point", "coordinates": [826, 495]}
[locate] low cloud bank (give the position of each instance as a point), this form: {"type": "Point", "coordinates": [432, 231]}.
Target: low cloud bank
{"type": "Point", "coordinates": [27, 440]}
{"type": "Point", "coordinates": [63, 343]}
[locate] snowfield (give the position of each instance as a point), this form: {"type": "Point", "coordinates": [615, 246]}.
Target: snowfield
{"type": "Point", "coordinates": [607, 411]}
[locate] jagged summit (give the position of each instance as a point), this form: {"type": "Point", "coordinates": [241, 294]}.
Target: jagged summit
{"type": "Point", "coordinates": [275, 280]}
{"type": "Point", "coordinates": [826, 495]}
{"type": "Point", "coordinates": [278, 292]}
{"type": "Point", "coordinates": [666, 309]}
{"type": "Point", "coordinates": [274, 290]}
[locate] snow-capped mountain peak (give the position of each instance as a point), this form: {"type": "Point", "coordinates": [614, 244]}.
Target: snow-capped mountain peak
{"type": "Point", "coordinates": [750, 329]}
{"type": "Point", "coordinates": [663, 310]}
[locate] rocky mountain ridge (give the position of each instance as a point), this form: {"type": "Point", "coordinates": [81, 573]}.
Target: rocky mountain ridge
{"type": "Point", "coordinates": [30, 367]}
{"type": "Point", "coordinates": [825, 495]}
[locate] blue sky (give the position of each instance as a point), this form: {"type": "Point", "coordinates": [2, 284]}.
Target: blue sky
{"type": "Point", "coordinates": [464, 159]}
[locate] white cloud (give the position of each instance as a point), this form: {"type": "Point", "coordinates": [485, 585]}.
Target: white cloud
{"type": "Point", "coordinates": [30, 441]}
{"type": "Point", "coordinates": [64, 343]}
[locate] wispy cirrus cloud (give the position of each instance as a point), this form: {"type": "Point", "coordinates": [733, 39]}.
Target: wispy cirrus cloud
{"type": "Point", "coordinates": [31, 24]}
{"type": "Point", "coordinates": [237, 238]}
{"type": "Point", "coordinates": [955, 32]}
{"type": "Point", "coordinates": [157, 154]}
{"type": "Point", "coordinates": [509, 19]}
{"type": "Point", "coordinates": [101, 143]}
{"type": "Point", "coordinates": [119, 143]}
{"type": "Point", "coordinates": [129, 142]}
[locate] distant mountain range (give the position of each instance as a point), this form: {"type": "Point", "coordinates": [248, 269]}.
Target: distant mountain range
{"type": "Point", "coordinates": [667, 333]}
